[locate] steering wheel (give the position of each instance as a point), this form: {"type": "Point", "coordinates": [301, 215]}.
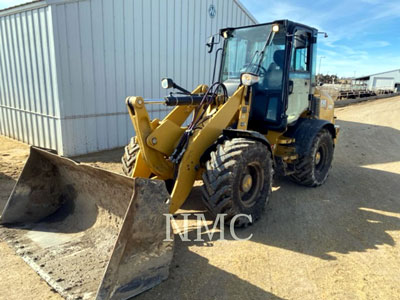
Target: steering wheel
{"type": "Point", "coordinates": [253, 67]}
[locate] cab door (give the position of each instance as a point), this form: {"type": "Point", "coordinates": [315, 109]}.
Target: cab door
{"type": "Point", "coordinates": [299, 76]}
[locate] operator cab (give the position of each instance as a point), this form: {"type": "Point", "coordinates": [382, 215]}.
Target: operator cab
{"type": "Point", "coordinates": [281, 56]}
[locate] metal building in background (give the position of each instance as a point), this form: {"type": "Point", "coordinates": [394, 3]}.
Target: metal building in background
{"type": "Point", "coordinates": [66, 66]}
{"type": "Point", "coordinates": [389, 81]}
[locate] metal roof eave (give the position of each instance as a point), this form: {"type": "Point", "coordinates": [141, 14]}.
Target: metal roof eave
{"type": "Point", "coordinates": [246, 11]}
{"type": "Point", "coordinates": [42, 3]}
{"type": "Point", "coordinates": [22, 7]}
{"type": "Point", "coordinates": [35, 4]}
{"type": "Point", "coordinates": [368, 76]}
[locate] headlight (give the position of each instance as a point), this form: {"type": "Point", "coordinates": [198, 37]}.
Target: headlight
{"type": "Point", "coordinates": [249, 79]}
{"type": "Point", "coordinates": [167, 83]}
{"type": "Point", "coordinates": [275, 28]}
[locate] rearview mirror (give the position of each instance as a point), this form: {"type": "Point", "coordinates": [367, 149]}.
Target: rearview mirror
{"type": "Point", "coordinates": [210, 43]}
{"type": "Point", "coordinates": [299, 41]}
{"type": "Point", "coordinates": [290, 87]}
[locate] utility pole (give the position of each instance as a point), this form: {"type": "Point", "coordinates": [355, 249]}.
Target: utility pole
{"type": "Point", "coordinates": [319, 68]}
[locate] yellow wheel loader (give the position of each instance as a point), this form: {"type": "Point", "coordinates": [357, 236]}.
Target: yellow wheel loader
{"type": "Point", "coordinates": [94, 234]}
{"type": "Point", "coordinates": [263, 114]}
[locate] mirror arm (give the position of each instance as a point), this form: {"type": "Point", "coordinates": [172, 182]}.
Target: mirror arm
{"type": "Point", "coordinates": [215, 63]}
{"type": "Point", "coordinates": [175, 86]}
{"type": "Point", "coordinates": [324, 33]}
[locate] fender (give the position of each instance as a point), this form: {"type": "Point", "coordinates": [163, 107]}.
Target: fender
{"type": "Point", "coordinates": [305, 132]}
{"type": "Point", "coordinates": [228, 134]}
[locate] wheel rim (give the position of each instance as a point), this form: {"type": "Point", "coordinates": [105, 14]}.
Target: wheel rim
{"type": "Point", "coordinates": [251, 184]}
{"type": "Point", "coordinates": [317, 158]}
{"type": "Point", "coordinates": [247, 183]}
{"type": "Point", "coordinates": [320, 157]}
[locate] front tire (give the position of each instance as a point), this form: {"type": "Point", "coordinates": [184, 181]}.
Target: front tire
{"type": "Point", "coordinates": [313, 169]}
{"type": "Point", "coordinates": [238, 180]}
{"type": "Point", "coordinates": [129, 160]}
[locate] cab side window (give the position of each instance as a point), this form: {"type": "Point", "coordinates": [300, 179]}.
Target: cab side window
{"type": "Point", "coordinates": [300, 53]}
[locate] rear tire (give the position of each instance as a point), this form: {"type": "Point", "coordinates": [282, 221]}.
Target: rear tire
{"type": "Point", "coordinates": [238, 180]}
{"type": "Point", "coordinates": [313, 169]}
{"type": "Point", "coordinates": [129, 158]}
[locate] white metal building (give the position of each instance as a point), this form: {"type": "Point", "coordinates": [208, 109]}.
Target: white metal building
{"type": "Point", "coordinates": [389, 80]}
{"type": "Point", "coordinates": [66, 66]}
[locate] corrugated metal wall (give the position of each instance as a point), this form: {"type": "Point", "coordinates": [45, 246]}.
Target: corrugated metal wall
{"type": "Point", "coordinates": [67, 68]}
{"type": "Point", "coordinates": [108, 50]}
{"type": "Point", "coordinates": [29, 103]}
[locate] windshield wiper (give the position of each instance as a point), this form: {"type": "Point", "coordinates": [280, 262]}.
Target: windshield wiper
{"type": "Point", "coordinates": [267, 43]}
{"type": "Point", "coordinates": [251, 61]}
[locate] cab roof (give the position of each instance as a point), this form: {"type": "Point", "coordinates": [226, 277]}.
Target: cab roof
{"type": "Point", "coordinates": [285, 22]}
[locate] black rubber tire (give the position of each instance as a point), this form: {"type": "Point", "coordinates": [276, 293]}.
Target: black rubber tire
{"type": "Point", "coordinates": [307, 171]}
{"type": "Point", "coordinates": [129, 158]}
{"type": "Point", "coordinates": [224, 175]}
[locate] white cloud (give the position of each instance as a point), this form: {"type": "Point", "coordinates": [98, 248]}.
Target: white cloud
{"type": "Point", "coordinates": [375, 44]}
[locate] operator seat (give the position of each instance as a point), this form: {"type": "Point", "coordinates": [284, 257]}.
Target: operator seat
{"type": "Point", "coordinates": [266, 105]}
{"type": "Point", "coordinates": [275, 71]}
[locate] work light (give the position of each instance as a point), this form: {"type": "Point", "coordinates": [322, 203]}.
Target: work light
{"type": "Point", "coordinates": [167, 83]}
{"type": "Point", "coordinates": [249, 79]}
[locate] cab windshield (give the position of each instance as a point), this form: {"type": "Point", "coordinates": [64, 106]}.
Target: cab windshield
{"type": "Point", "coordinates": [242, 54]}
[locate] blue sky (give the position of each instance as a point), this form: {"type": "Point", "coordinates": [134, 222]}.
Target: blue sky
{"type": "Point", "coordinates": [364, 35]}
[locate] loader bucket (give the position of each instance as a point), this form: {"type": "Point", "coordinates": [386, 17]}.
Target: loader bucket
{"type": "Point", "coordinates": [90, 233]}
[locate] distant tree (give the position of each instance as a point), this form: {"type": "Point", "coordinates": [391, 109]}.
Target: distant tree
{"type": "Point", "coordinates": [325, 78]}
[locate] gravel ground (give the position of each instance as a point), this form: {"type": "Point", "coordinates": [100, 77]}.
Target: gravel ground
{"type": "Point", "coordinates": [338, 241]}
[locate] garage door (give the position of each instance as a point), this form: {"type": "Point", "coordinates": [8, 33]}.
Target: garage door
{"type": "Point", "coordinates": [383, 83]}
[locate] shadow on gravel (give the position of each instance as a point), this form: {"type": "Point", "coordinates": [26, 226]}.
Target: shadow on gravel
{"type": "Point", "coordinates": [108, 156]}
{"type": "Point", "coordinates": [192, 277]}
{"type": "Point", "coordinates": [351, 212]}
{"type": "Point", "coordinates": [6, 185]}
